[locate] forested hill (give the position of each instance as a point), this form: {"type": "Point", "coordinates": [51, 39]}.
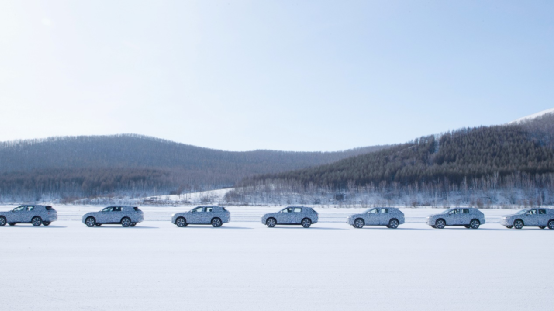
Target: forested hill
{"type": "Point", "coordinates": [474, 158]}
{"type": "Point", "coordinates": [98, 165]}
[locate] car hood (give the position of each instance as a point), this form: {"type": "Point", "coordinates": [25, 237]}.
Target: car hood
{"type": "Point", "coordinates": [356, 215]}
{"type": "Point", "coordinates": [269, 215]}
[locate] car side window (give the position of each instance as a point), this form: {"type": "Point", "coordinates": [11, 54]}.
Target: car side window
{"type": "Point", "coordinates": [287, 210]}
{"type": "Point", "coordinates": [454, 211]}
{"type": "Point", "coordinates": [533, 212]}
{"type": "Point", "coordinates": [542, 212]}
{"type": "Point", "coordinates": [465, 211]}
{"type": "Point", "coordinates": [374, 211]}
{"type": "Point", "coordinates": [198, 210]}
{"type": "Point", "coordinates": [384, 211]}
{"type": "Point", "coordinates": [30, 208]}
{"type": "Point", "coordinates": [209, 209]}
{"type": "Point", "coordinates": [298, 210]}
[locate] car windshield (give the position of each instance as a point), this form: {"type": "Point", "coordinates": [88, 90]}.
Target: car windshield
{"type": "Point", "coordinates": [523, 211]}
{"type": "Point", "coordinates": [447, 211]}
{"type": "Point", "coordinates": [19, 208]}
{"type": "Point", "coordinates": [107, 209]}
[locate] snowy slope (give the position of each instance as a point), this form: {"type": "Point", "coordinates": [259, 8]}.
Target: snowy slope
{"type": "Point", "coordinates": [533, 116]}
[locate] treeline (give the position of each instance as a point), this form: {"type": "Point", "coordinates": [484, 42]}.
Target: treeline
{"type": "Point", "coordinates": [458, 163]}
{"type": "Point", "coordinates": [90, 166]}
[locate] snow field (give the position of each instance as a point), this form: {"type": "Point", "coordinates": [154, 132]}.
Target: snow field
{"type": "Point", "coordinates": [246, 266]}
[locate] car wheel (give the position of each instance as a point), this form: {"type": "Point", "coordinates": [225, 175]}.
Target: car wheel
{"type": "Point", "coordinates": [181, 222]}
{"type": "Point", "coordinates": [12, 224]}
{"type": "Point", "coordinates": [216, 222]}
{"type": "Point", "coordinates": [36, 221]}
{"type": "Point", "coordinates": [125, 222]}
{"type": "Point", "coordinates": [46, 223]}
{"type": "Point", "coordinates": [393, 223]}
{"type": "Point", "coordinates": [271, 222]}
{"type": "Point", "coordinates": [474, 224]}
{"type": "Point", "coordinates": [306, 222]}
{"type": "Point", "coordinates": [440, 224]}
{"type": "Point", "coordinates": [551, 225]}
{"type": "Point", "coordinates": [359, 223]}
{"type": "Point", "coordinates": [90, 221]}
{"type": "Point", "coordinates": [542, 227]}
{"type": "Point", "coordinates": [509, 227]}
{"type": "Point", "coordinates": [98, 225]}
{"type": "Point", "coordinates": [2, 221]}
{"type": "Point", "coordinates": [518, 224]}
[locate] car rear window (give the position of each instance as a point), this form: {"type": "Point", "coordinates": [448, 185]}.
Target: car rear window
{"type": "Point", "coordinates": [542, 211]}
{"type": "Point", "coordinates": [465, 210]}
{"type": "Point", "coordinates": [49, 208]}
{"type": "Point", "coordinates": [137, 209]}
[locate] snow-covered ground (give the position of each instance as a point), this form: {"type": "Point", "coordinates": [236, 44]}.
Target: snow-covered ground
{"type": "Point", "coordinates": [246, 266]}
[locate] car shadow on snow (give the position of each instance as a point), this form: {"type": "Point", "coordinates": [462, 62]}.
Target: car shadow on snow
{"type": "Point", "coordinates": [385, 228]}
{"type": "Point", "coordinates": [36, 227]}
{"type": "Point", "coordinates": [126, 228]}
{"type": "Point", "coordinates": [311, 228]}
{"type": "Point", "coordinates": [211, 227]}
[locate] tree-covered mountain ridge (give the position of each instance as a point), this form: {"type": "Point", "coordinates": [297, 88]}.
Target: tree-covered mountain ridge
{"type": "Point", "coordinates": [513, 156]}
{"type": "Point", "coordinates": [87, 166]}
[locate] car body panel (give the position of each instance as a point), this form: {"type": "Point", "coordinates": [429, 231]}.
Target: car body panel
{"type": "Point", "coordinates": [114, 215]}
{"type": "Point", "coordinates": [203, 215]}
{"type": "Point", "coordinates": [537, 216]}
{"type": "Point", "coordinates": [292, 215]}
{"type": "Point", "coordinates": [459, 216]}
{"type": "Point", "coordinates": [378, 216]}
{"type": "Point", "coordinates": [25, 214]}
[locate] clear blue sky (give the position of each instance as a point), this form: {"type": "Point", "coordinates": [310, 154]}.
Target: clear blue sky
{"type": "Point", "coordinates": [293, 75]}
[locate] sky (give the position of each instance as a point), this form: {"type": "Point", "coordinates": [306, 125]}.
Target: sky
{"type": "Point", "coordinates": [281, 75]}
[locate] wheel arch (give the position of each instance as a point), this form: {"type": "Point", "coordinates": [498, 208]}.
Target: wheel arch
{"type": "Point", "coordinates": [514, 222]}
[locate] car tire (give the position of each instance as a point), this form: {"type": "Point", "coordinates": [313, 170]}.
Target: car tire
{"type": "Point", "coordinates": [509, 227]}
{"type": "Point", "coordinates": [181, 222]}
{"type": "Point", "coordinates": [12, 224]}
{"type": "Point", "coordinates": [393, 223]}
{"type": "Point", "coordinates": [46, 223]}
{"type": "Point", "coordinates": [358, 223]}
{"type": "Point", "coordinates": [3, 221]}
{"type": "Point", "coordinates": [551, 224]}
{"type": "Point", "coordinates": [518, 224]}
{"type": "Point", "coordinates": [36, 221]}
{"type": "Point", "coordinates": [306, 222]}
{"type": "Point", "coordinates": [542, 227]}
{"type": "Point", "coordinates": [440, 224]}
{"type": "Point", "coordinates": [271, 222]}
{"type": "Point", "coordinates": [474, 224]}
{"type": "Point", "coordinates": [126, 222]}
{"type": "Point", "coordinates": [216, 222]}
{"type": "Point", "coordinates": [90, 221]}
